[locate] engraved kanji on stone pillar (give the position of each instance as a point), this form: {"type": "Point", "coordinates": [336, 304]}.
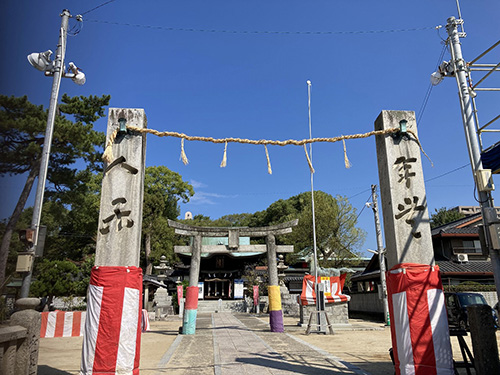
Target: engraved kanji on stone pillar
{"type": "Point", "coordinates": [402, 191]}
{"type": "Point", "coordinates": [120, 217]}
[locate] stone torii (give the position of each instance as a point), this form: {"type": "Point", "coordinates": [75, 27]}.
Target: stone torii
{"type": "Point", "coordinates": [233, 234]}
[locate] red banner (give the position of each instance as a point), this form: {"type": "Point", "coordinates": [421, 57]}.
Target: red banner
{"type": "Point", "coordinates": [180, 294]}
{"type": "Point", "coordinates": [255, 295]}
{"type": "Point", "coordinates": [333, 289]}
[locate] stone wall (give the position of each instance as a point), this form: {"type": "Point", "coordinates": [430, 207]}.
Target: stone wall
{"type": "Point", "coordinates": [337, 313]}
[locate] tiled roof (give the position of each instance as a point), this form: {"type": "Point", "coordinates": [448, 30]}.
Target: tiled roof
{"type": "Point", "coordinates": [466, 267]}
{"type": "Point", "coordinates": [457, 226]}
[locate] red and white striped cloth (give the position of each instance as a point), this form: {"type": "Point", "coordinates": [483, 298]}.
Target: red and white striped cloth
{"type": "Point", "coordinates": [62, 324]}
{"type": "Point", "coordinates": [145, 321]}
{"type": "Point", "coordinates": [333, 289]}
{"type": "Point", "coordinates": [419, 323]}
{"type": "Point", "coordinates": [112, 335]}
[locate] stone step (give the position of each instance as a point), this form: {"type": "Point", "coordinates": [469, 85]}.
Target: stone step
{"type": "Point", "coordinates": [210, 306]}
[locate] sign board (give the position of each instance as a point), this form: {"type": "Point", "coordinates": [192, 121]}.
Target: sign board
{"type": "Point", "coordinates": [238, 288]}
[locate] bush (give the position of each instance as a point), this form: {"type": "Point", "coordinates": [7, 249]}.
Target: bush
{"type": "Point", "coordinates": [469, 287]}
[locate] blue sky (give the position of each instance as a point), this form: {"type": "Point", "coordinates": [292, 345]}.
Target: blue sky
{"type": "Point", "coordinates": [211, 68]}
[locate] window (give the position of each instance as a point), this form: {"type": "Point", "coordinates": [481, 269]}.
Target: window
{"type": "Point", "coordinates": [468, 247]}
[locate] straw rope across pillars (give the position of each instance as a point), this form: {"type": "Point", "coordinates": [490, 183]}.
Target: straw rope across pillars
{"type": "Point", "coordinates": [108, 152]}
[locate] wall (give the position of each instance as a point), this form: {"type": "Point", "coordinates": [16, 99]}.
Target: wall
{"type": "Point", "coordinates": [366, 302]}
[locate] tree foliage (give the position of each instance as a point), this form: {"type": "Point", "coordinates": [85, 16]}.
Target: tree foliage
{"type": "Point", "coordinates": [337, 236]}
{"type": "Point", "coordinates": [444, 216]}
{"type": "Point", "coordinates": [163, 189]}
{"type": "Point", "coordinates": [22, 134]}
{"type": "Point", "coordinates": [55, 278]}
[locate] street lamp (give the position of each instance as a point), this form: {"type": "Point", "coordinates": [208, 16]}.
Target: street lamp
{"type": "Point", "coordinates": [56, 69]}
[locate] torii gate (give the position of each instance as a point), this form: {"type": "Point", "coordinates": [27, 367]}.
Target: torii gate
{"type": "Point", "coordinates": [233, 234]}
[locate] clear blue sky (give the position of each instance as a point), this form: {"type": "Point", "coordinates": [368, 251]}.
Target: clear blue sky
{"type": "Point", "coordinates": [239, 81]}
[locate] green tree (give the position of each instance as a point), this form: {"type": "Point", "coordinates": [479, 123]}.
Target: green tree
{"type": "Point", "coordinates": [163, 189]}
{"type": "Point", "coordinates": [55, 278]}
{"type": "Point", "coordinates": [337, 237]}
{"type": "Point", "coordinates": [22, 132]}
{"type": "Point", "coordinates": [444, 216]}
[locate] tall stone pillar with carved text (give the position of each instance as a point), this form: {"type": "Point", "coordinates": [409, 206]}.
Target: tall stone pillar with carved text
{"type": "Point", "coordinates": [112, 332]}
{"type": "Point", "coordinates": [419, 324]}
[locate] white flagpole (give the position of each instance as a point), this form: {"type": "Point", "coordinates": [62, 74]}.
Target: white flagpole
{"type": "Point", "coordinates": [312, 201]}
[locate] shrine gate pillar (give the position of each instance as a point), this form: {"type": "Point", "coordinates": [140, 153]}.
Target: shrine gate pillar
{"type": "Point", "coordinates": [419, 324]}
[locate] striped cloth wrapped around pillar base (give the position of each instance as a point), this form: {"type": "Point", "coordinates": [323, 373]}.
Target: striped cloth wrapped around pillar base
{"type": "Point", "coordinates": [190, 311]}
{"type": "Point", "coordinates": [275, 311]}
{"type": "Point", "coordinates": [419, 323]}
{"type": "Point", "coordinates": [112, 334]}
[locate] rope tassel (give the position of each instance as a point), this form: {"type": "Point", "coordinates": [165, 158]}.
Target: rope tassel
{"type": "Point", "coordinates": [224, 157]}
{"type": "Point", "coordinates": [269, 170]}
{"type": "Point", "coordinates": [346, 159]}
{"type": "Point", "coordinates": [107, 156]}
{"type": "Point", "coordinates": [309, 162]}
{"type": "Point", "coordinates": [183, 153]}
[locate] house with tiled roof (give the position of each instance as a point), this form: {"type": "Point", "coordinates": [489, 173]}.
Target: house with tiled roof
{"type": "Point", "coordinates": [457, 252]}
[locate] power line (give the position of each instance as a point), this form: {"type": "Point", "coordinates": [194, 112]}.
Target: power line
{"type": "Point", "coordinates": [429, 88]}
{"type": "Point", "coordinates": [97, 7]}
{"type": "Point", "coordinates": [261, 31]}
{"type": "Point", "coordinates": [364, 206]}
{"type": "Point", "coordinates": [447, 173]}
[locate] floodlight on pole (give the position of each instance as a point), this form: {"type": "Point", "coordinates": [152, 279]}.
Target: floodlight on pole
{"type": "Point", "coordinates": [41, 60]}
{"type": "Point", "coordinates": [56, 69]}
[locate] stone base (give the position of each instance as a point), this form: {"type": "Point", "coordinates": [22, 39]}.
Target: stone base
{"type": "Point", "coordinates": [289, 304]}
{"type": "Point", "coordinates": [337, 313]}
{"type": "Point", "coordinates": [161, 312]}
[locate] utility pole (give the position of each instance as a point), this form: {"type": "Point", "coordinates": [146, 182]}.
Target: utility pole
{"type": "Point", "coordinates": [380, 252]}
{"type": "Point", "coordinates": [490, 218]}
{"type": "Point", "coordinates": [58, 71]}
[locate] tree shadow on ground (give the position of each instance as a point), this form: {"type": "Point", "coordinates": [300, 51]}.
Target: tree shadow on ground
{"type": "Point", "coordinates": [277, 362]}
{"type": "Point", "coordinates": [47, 370]}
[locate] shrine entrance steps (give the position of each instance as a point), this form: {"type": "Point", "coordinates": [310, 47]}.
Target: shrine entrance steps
{"type": "Point", "coordinates": [212, 306]}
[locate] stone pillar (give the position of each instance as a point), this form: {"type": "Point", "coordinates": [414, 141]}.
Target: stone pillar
{"type": "Point", "coordinates": [408, 240]}
{"type": "Point", "coordinates": [402, 192]}
{"type": "Point", "coordinates": [191, 305]}
{"type": "Point", "coordinates": [273, 289]}
{"type": "Point", "coordinates": [116, 274]}
{"type": "Point", "coordinates": [120, 217]}
{"type": "Point", "coordinates": [29, 318]}
{"type": "Point", "coordinates": [484, 343]}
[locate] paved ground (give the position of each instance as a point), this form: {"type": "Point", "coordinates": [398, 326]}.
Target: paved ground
{"type": "Point", "coordinates": [241, 344]}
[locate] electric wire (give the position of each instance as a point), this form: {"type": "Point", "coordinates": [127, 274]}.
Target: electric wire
{"type": "Point", "coordinates": [447, 173]}
{"type": "Point", "coordinates": [364, 206]}
{"type": "Point", "coordinates": [261, 31]}
{"type": "Point", "coordinates": [97, 7]}
{"type": "Point", "coordinates": [429, 88]}
{"type": "Point", "coordinates": [361, 192]}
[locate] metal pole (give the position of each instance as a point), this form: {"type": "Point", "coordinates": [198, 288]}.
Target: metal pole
{"type": "Point", "coordinates": [312, 205]}
{"type": "Point", "coordinates": [42, 176]}
{"type": "Point", "coordinates": [381, 257]}
{"type": "Point", "coordinates": [485, 199]}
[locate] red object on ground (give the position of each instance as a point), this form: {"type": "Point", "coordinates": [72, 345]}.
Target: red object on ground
{"type": "Point", "coordinates": [419, 323]}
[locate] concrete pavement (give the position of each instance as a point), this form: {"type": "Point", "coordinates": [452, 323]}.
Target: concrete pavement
{"type": "Point", "coordinates": [227, 343]}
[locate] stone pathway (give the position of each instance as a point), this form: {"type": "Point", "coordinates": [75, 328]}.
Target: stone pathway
{"type": "Point", "coordinates": [227, 344]}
